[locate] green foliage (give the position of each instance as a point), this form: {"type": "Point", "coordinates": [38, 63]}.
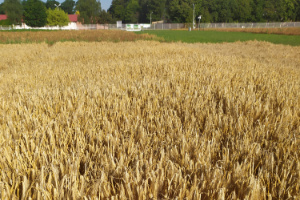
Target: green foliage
{"type": "Point", "coordinates": [13, 10]}
{"type": "Point", "coordinates": [2, 9]}
{"type": "Point", "coordinates": [89, 11]}
{"type": "Point", "coordinates": [57, 17]}
{"type": "Point", "coordinates": [132, 9]}
{"type": "Point", "coordinates": [5, 22]}
{"type": "Point", "coordinates": [118, 10]}
{"type": "Point", "coordinates": [35, 13]}
{"type": "Point", "coordinates": [297, 12]}
{"type": "Point", "coordinates": [105, 18]}
{"type": "Point", "coordinates": [52, 4]}
{"type": "Point", "coordinates": [68, 6]}
{"type": "Point", "coordinates": [181, 11]}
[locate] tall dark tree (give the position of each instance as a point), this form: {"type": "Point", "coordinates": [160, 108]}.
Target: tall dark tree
{"type": "Point", "coordinates": [2, 12]}
{"type": "Point", "coordinates": [68, 6]}
{"type": "Point", "coordinates": [297, 10]}
{"type": "Point", "coordinates": [105, 18]}
{"type": "Point", "coordinates": [258, 10]}
{"type": "Point", "coordinates": [13, 10]}
{"type": "Point", "coordinates": [132, 11]}
{"type": "Point", "coordinates": [269, 10]}
{"type": "Point", "coordinates": [89, 11]}
{"type": "Point", "coordinates": [35, 13]}
{"type": "Point", "coordinates": [118, 9]}
{"type": "Point", "coordinates": [181, 11]}
{"type": "Point", "coordinates": [159, 9]}
{"type": "Point", "coordinates": [176, 10]}
{"type": "Point", "coordinates": [144, 14]}
{"type": "Point", "coordinates": [291, 7]}
{"type": "Point", "coordinates": [245, 10]}
{"type": "Point", "coordinates": [52, 4]}
{"type": "Point", "coordinates": [224, 9]}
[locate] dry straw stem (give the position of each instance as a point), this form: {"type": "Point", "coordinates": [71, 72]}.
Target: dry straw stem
{"type": "Point", "coordinates": [147, 120]}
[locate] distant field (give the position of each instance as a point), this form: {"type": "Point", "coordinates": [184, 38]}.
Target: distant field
{"type": "Point", "coordinates": [220, 37]}
{"type": "Point", "coordinates": [51, 37]}
{"type": "Point", "coordinates": [211, 36]}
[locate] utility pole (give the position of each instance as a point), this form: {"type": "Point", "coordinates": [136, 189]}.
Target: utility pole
{"type": "Point", "coordinates": [150, 18]}
{"type": "Point", "coordinates": [199, 21]}
{"type": "Point", "coordinates": [193, 15]}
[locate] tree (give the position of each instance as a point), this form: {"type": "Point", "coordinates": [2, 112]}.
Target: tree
{"type": "Point", "coordinates": [132, 11]}
{"type": "Point", "coordinates": [291, 10]}
{"type": "Point", "coordinates": [13, 10]}
{"type": "Point", "coordinates": [68, 6]}
{"type": "Point", "coordinates": [297, 12]}
{"type": "Point", "coordinates": [89, 11]}
{"type": "Point", "coordinates": [2, 9]}
{"type": "Point", "coordinates": [158, 7]}
{"type": "Point", "coordinates": [118, 10]}
{"type": "Point", "coordinates": [225, 14]}
{"type": "Point", "coordinates": [105, 18]}
{"type": "Point", "coordinates": [35, 13]}
{"type": "Point", "coordinates": [243, 11]}
{"type": "Point", "coordinates": [57, 17]}
{"type": "Point", "coordinates": [52, 4]}
{"type": "Point", "coordinates": [174, 9]}
{"type": "Point", "coordinates": [258, 10]}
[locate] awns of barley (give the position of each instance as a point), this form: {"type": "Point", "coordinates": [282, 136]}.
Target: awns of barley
{"type": "Point", "coordinates": [148, 120]}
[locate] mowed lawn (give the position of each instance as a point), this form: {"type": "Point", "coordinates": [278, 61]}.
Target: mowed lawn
{"type": "Point", "coordinates": [220, 37]}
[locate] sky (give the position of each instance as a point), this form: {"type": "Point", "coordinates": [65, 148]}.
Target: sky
{"type": "Point", "coordinates": [105, 4]}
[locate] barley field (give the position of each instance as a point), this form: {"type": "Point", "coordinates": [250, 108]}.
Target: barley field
{"type": "Point", "coordinates": [149, 120]}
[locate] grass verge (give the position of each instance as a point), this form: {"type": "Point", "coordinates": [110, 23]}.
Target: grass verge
{"type": "Point", "coordinates": [220, 37]}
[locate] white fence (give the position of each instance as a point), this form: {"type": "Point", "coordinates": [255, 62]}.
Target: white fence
{"type": "Point", "coordinates": [168, 26]}
{"type": "Point", "coordinates": [251, 25]}
{"type": "Point", "coordinates": [162, 26]}
{"type": "Point", "coordinates": [5, 27]}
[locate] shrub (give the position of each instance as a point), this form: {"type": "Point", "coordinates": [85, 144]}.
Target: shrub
{"type": "Point", "coordinates": [57, 17]}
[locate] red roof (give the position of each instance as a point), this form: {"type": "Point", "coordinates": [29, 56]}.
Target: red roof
{"type": "Point", "coordinates": [73, 18]}
{"type": "Point", "coordinates": [3, 17]}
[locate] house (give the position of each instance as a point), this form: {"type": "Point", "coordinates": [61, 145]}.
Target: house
{"type": "Point", "coordinates": [3, 17]}
{"type": "Point", "coordinates": [73, 18]}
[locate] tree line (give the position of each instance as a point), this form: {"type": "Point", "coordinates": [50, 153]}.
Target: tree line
{"type": "Point", "coordinates": [142, 11]}
{"type": "Point", "coordinates": [181, 11]}
{"type": "Point", "coordinates": [37, 13]}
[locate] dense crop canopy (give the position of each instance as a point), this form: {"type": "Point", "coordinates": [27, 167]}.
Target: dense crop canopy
{"type": "Point", "coordinates": [149, 120]}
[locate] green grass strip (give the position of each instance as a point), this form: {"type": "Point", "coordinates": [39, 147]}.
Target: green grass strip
{"type": "Point", "coordinates": [220, 37]}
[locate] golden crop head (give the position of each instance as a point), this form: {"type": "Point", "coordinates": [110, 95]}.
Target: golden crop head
{"type": "Point", "coordinates": [149, 120]}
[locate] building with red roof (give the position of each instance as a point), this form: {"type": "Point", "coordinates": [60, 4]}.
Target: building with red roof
{"type": "Point", "coordinates": [73, 18]}
{"type": "Point", "coordinates": [3, 17]}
